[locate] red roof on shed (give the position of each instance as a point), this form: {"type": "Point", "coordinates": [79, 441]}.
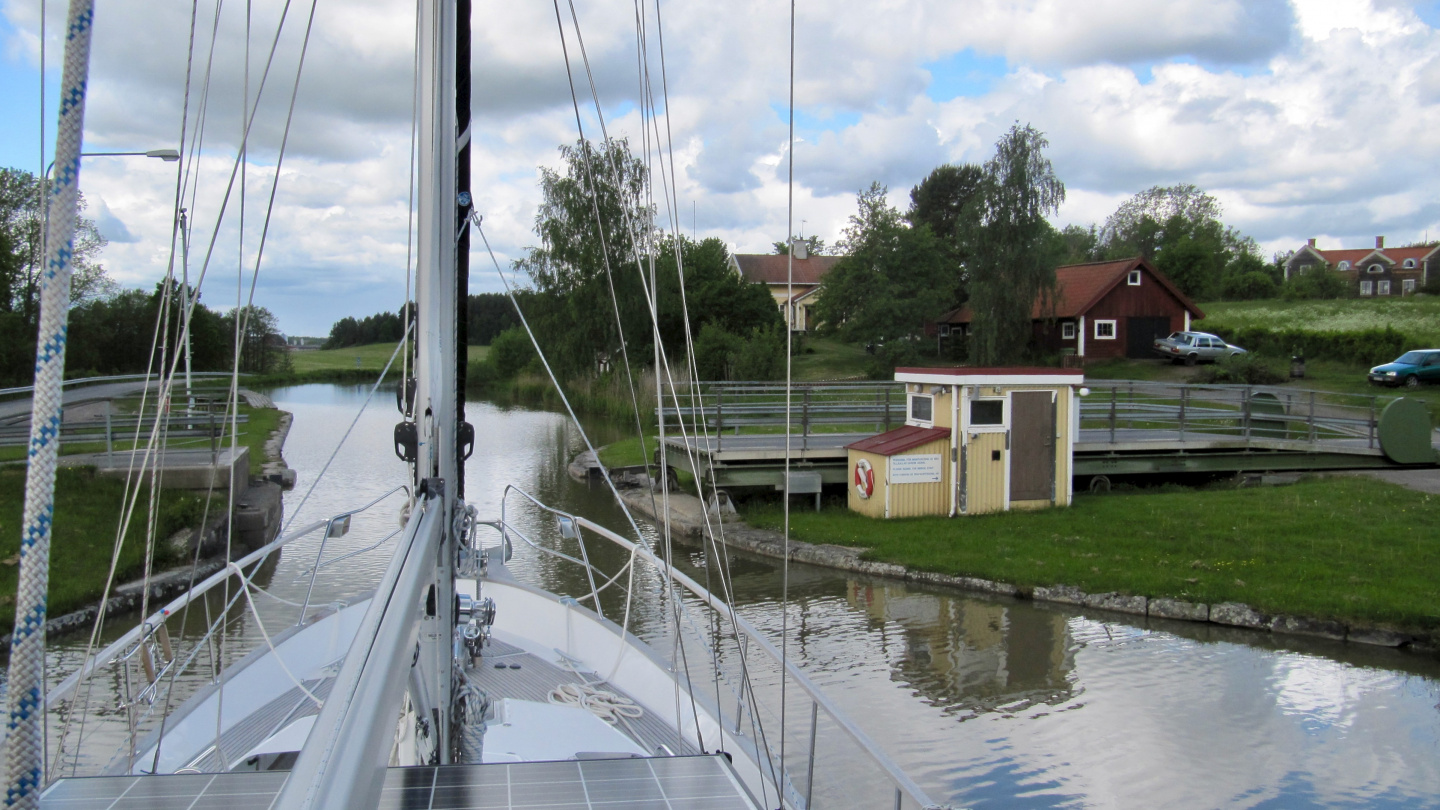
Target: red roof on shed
{"type": "Point", "coordinates": [892, 442]}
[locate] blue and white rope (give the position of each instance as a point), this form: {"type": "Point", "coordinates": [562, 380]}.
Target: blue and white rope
{"type": "Point", "coordinates": [25, 754]}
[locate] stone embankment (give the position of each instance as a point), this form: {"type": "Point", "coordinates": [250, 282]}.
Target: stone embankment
{"type": "Point", "coordinates": [688, 518]}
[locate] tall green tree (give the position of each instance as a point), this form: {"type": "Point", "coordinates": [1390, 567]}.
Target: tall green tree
{"type": "Point", "coordinates": [1014, 256]}
{"type": "Point", "coordinates": [943, 201]}
{"type": "Point", "coordinates": [21, 221]}
{"type": "Point", "coordinates": [893, 281]}
{"type": "Point", "coordinates": [593, 221]}
{"type": "Point", "coordinates": [1179, 229]}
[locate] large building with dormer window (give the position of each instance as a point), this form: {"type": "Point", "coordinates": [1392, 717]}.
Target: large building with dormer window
{"type": "Point", "coordinates": [1373, 272]}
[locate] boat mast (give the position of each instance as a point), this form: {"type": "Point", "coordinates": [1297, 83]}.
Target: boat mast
{"type": "Point", "coordinates": [405, 641]}
{"type": "Point", "coordinates": [441, 282]}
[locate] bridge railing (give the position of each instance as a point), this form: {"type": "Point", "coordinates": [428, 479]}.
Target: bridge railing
{"type": "Point", "coordinates": [1125, 410]}
{"type": "Point", "coordinates": [757, 406]}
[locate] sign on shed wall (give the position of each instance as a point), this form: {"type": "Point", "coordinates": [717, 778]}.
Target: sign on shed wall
{"type": "Point", "coordinates": [916, 469]}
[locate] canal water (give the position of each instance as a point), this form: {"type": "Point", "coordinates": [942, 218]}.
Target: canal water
{"type": "Point", "coordinates": [986, 702]}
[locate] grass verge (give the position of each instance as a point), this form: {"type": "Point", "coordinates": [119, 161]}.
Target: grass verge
{"type": "Point", "coordinates": [1351, 549]}
{"type": "Point", "coordinates": [86, 509]}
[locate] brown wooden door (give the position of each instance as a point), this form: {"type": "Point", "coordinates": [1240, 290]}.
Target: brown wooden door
{"type": "Point", "coordinates": [1032, 446]}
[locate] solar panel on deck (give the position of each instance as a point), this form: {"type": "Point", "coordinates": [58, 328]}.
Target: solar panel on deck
{"type": "Point", "coordinates": [662, 783]}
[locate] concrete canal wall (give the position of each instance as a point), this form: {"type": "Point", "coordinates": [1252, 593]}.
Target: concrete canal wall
{"type": "Point", "coordinates": [688, 519]}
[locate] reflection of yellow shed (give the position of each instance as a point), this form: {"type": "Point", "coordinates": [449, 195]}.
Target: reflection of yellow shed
{"type": "Point", "coordinates": [975, 440]}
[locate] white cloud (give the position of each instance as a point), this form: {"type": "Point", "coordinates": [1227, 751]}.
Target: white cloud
{"type": "Point", "coordinates": [1303, 118]}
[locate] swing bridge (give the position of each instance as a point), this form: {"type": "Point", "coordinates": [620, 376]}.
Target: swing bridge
{"type": "Point", "coordinates": [734, 433]}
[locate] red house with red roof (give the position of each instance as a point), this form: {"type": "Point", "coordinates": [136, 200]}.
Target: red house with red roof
{"type": "Point", "coordinates": [1373, 272]}
{"type": "Point", "coordinates": [1102, 309]}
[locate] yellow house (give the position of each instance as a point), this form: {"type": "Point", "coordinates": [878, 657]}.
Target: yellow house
{"type": "Point", "coordinates": [795, 289]}
{"type": "Point", "coordinates": [975, 440]}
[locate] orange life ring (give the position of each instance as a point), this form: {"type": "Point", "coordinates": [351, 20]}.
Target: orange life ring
{"type": "Point", "coordinates": [864, 479]}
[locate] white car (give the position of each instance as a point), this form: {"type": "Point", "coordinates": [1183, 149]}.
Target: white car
{"type": "Point", "coordinates": [1194, 347]}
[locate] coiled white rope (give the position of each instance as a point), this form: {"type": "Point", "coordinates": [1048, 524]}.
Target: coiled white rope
{"type": "Point", "coordinates": [602, 703]}
{"type": "Point", "coordinates": [25, 754]}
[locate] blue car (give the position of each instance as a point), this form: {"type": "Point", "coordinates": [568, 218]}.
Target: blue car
{"type": "Point", "coordinates": [1409, 369]}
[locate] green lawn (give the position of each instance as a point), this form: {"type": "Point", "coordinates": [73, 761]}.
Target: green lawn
{"type": "Point", "coordinates": [86, 510]}
{"type": "Point", "coordinates": [1342, 548]}
{"type": "Point", "coordinates": [828, 359]}
{"type": "Point", "coordinates": [364, 358]}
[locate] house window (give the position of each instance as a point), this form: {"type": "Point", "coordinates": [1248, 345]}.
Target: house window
{"type": "Point", "coordinates": [1375, 268]}
{"type": "Point", "coordinates": [1133, 279]}
{"type": "Point", "coordinates": [922, 408]}
{"type": "Point", "coordinates": [1067, 330]}
{"type": "Point", "coordinates": [1409, 264]}
{"type": "Point", "coordinates": [1367, 287]}
{"type": "Point", "coordinates": [987, 412]}
{"type": "Point", "coordinates": [1408, 286]}
{"type": "Point", "coordinates": [944, 330]}
{"type": "Point", "coordinates": [1343, 266]}
{"type": "Point", "coordinates": [1104, 330]}
{"type": "Point", "coordinates": [1383, 288]}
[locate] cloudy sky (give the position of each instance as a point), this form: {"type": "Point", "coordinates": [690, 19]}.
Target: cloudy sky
{"type": "Point", "coordinates": [1305, 118]}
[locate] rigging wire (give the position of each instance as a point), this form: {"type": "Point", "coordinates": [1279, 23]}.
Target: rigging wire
{"type": "Point", "coordinates": [631, 228]}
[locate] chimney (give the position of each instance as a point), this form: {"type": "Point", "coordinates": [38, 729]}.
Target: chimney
{"type": "Point", "coordinates": [1379, 243]}
{"type": "Point", "coordinates": [1312, 241]}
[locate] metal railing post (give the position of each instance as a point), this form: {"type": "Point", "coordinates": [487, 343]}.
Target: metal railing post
{"type": "Point", "coordinates": [1114, 393]}
{"type": "Point", "coordinates": [1370, 426]}
{"type": "Point", "coordinates": [719, 416]}
{"type": "Point", "coordinates": [109, 435]}
{"type": "Point", "coordinates": [1310, 420]}
{"type": "Point", "coordinates": [805, 421]}
{"type": "Point", "coordinates": [1184, 399]}
{"type": "Point", "coordinates": [1246, 411]}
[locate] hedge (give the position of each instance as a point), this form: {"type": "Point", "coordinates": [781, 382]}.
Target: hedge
{"type": "Point", "coordinates": [1366, 347]}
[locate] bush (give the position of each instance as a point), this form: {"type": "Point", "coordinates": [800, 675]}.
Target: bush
{"type": "Point", "coordinates": [1241, 369]}
{"type": "Point", "coordinates": [509, 352]}
{"type": "Point", "coordinates": [762, 357]}
{"type": "Point", "coordinates": [715, 350]}
{"type": "Point", "coordinates": [1317, 281]}
{"type": "Point", "coordinates": [1250, 286]}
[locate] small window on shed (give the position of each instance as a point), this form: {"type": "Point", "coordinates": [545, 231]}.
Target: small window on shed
{"type": "Point", "coordinates": [922, 408]}
{"type": "Point", "coordinates": [1133, 279]}
{"type": "Point", "coordinates": [1067, 330]}
{"type": "Point", "coordinates": [987, 412]}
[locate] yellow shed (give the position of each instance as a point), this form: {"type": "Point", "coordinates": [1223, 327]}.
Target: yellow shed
{"type": "Point", "coordinates": [901, 473]}
{"type": "Point", "coordinates": [1005, 438]}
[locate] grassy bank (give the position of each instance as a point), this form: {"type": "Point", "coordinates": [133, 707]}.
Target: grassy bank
{"type": "Point", "coordinates": [370, 358]}
{"type": "Point", "coordinates": [86, 510]}
{"type": "Point", "coordinates": [1351, 549]}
